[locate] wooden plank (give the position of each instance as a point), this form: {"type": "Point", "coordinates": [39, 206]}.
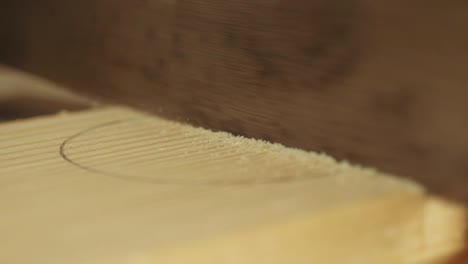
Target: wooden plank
{"type": "Point", "coordinates": [113, 185]}
{"type": "Point", "coordinates": [360, 79]}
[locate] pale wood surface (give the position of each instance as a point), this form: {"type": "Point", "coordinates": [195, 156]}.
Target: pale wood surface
{"type": "Point", "coordinates": [380, 83]}
{"type": "Point", "coordinates": [114, 186]}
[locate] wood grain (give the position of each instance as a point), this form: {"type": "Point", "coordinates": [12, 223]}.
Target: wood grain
{"type": "Point", "coordinates": [382, 83]}
{"type": "Point", "coordinates": [113, 185]}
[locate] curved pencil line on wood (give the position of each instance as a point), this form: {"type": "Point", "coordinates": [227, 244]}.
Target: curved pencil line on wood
{"type": "Point", "coordinates": [221, 182]}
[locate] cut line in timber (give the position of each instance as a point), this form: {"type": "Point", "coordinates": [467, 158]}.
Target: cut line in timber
{"type": "Point", "coordinates": [166, 180]}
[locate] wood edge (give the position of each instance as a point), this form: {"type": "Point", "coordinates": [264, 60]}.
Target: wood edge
{"type": "Point", "coordinates": [253, 245]}
{"type": "Point", "coordinates": [445, 233]}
